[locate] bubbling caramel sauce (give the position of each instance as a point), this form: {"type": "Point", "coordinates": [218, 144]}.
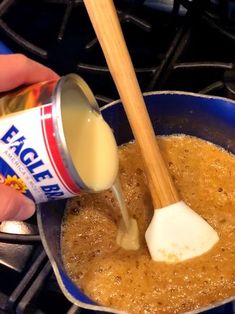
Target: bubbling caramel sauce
{"type": "Point", "coordinates": [129, 280]}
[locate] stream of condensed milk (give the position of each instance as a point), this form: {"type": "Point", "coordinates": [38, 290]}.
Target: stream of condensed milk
{"type": "Point", "coordinates": [128, 232]}
{"type": "Point", "coordinates": [94, 153]}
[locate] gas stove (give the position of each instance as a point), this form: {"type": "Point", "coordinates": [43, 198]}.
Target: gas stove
{"type": "Point", "coordinates": [181, 45]}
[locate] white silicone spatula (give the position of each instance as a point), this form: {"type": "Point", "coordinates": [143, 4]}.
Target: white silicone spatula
{"type": "Point", "coordinates": [176, 232]}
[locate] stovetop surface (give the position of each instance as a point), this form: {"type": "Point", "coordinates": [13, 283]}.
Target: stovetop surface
{"type": "Point", "coordinates": [188, 47]}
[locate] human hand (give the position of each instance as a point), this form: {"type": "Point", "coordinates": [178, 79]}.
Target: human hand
{"type": "Point", "coordinates": [17, 70]}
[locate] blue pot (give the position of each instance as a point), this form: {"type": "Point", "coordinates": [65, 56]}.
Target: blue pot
{"type": "Point", "coordinates": [210, 118]}
{"type": "Point", "coordinates": [4, 50]}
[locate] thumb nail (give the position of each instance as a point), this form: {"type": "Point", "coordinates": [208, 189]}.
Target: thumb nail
{"type": "Point", "coordinates": [26, 209]}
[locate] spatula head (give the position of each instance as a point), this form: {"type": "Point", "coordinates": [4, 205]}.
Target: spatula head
{"type": "Point", "coordinates": [176, 233]}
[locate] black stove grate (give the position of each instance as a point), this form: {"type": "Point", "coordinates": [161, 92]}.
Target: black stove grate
{"type": "Point", "coordinates": [190, 51]}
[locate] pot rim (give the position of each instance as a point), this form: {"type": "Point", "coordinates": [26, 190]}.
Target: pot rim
{"type": "Point", "coordinates": [171, 92]}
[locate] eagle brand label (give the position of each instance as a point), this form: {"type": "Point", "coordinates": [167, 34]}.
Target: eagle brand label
{"type": "Point", "coordinates": [30, 160]}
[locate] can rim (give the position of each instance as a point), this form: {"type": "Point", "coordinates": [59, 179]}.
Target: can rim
{"type": "Point", "coordinates": [58, 125]}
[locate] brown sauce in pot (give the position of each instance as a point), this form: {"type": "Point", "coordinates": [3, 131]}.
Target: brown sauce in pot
{"type": "Point", "coordinates": [129, 280]}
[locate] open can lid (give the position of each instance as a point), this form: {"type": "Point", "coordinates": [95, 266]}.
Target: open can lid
{"type": "Point", "coordinates": [84, 95]}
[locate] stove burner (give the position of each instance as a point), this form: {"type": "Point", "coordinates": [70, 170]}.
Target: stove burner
{"type": "Point", "coordinates": [70, 5]}
{"type": "Point", "coordinates": [4, 6]}
{"type": "Point", "coordinates": [124, 17]}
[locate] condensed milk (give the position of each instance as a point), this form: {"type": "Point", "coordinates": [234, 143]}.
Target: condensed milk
{"type": "Point", "coordinates": [128, 232]}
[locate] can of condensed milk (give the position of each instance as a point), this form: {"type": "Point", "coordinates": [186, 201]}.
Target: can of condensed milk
{"type": "Point", "coordinates": [35, 157]}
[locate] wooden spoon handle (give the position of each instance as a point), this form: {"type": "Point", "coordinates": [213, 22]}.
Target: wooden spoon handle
{"type": "Point", "coordinates": [108, 30]}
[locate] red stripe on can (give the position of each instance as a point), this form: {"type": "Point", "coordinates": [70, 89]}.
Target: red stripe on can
{"type": "Point", "coordinates": [53, 150]}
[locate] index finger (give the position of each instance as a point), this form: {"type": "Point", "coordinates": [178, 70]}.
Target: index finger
{"type": "Point", "coordinates": [17, 70]}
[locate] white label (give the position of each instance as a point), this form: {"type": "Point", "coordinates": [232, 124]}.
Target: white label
{"type": "Point", "coordinates": [24, 161]}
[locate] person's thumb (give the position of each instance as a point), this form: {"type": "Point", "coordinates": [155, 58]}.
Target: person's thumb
{"type": "Point", "coordinates": [14, 205]}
